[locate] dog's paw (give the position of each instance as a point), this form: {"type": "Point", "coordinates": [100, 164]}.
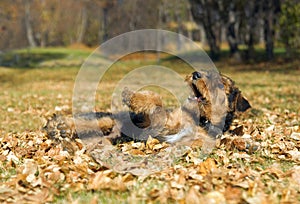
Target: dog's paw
{"type": "Point", "coordinates": [141, 101]}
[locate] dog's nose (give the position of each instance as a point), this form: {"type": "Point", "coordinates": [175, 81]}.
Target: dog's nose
{"type": "Point", "coordinates": [196, 75]}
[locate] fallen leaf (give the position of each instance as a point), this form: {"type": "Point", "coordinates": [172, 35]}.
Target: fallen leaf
{"type": "Point", "coordinates": [207, 166]}
{"type": "Point", "coordinates": [193, 195]}
{"type": "Point", "coordinates": [295, 154]}
{"type": "Point", "coordinates": [295, 136]}
{"type": "Point", "coordinates": [151, 142]}
{"type": "Point", "coordinates": [233, 194]}
{"type": "Point", "coordinates": [214, 197]}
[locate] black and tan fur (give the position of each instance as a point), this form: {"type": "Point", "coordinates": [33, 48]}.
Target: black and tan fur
{"type": "Point", "coordinates": [215, 103]}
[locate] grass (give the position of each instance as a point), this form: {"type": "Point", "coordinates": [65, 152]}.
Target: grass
{"type": "Point", "coordinates": [35, 57]}
{"type": "Point", "coordinates": [42, 80]}
{"type": "Point", "coordinates": [97, 196]}
{"type": "Point", "coordinates": [28, 93]}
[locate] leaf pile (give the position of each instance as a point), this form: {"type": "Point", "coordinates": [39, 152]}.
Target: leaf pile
{"type": "Point", "coordinates": [257, 162]}
{"type": "Point", "coordinates": [35, 169]}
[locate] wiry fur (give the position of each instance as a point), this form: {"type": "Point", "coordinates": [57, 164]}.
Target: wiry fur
{"type": "Point", "coordinates": [219, 100]}
{"type": "Point", "coordinates": [210, 111]}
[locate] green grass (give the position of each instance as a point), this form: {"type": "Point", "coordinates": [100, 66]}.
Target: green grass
{"type": "Point", "coordinates": [26, 94]}
{"type": "Point", "coordinates": [41, 57]}
{"type": "Point", "coordinates": [103, 197]}
{"type": "Point", "coordinates": [6, 173]}
{"type": "Point", "coordinates": [42, 79]}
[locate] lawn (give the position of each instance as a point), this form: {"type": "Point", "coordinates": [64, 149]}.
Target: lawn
{"type": "Point", "coordinates": [36, 83]}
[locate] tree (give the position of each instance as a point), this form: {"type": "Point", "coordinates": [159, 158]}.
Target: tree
{"type": "Point", "coordinates": [28, 26]}
{"type": "Point", "coordinates": [271, 8]}
{"type": "Point", "coordinates": [206, 14]}
{"type": "Point", "coordinates": [251, 24]}
{"type": "Point", "coordinates": [175, 17]}
{"type": "Point", "coordinates": [215, 16]}
{"type": "Point", "coordinates": [84, 20]}
{"type": "Point", "coordinates": [106, 6]}
{"type": "Point", "coordinates": [231, 12]}
{"type": "Point", "coordinates": [289, 24]}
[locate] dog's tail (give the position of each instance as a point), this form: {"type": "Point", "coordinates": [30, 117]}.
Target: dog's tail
{"type": "Point", "coordinates": [60, 127]}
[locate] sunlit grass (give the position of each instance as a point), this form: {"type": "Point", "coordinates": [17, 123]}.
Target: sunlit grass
{"type": "Point", "coordinates": [27, 94]}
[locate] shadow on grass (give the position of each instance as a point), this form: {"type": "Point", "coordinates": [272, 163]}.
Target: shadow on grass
{"type": "Point", "coordinates": [259, 62]}
{"type": "Point", "coordinates": [28, 59]}
{"type": "Point", "coordinates": [259, 55]}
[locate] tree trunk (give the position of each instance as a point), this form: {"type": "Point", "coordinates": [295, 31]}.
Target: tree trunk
{"type": "Point", "coordinates": [202, 15]}
{"type": "Point", "coordinates": [250, 41]}
{"type": "Point", "coordinates": [250, 47]}
{"type": "Point", "coordinates": [44, 39]}
{"type": "Point", "coordinates": [83, 26]}
{"type": "Point", "coordinates": [179, 28]}
{"type": "Point", "coordinates": [269, 34]}
{"type": "Point", "coordinates": [232, 40]}
{"type": "Point", "coordinates": [232, 37]}
{"type": "Point", "coordinates": [271, 9]}
{"type": "Point", "coordinates": [190, 31]}
{"type": "Point", "coordinates": [29, 30]}
{"type": "Point", "coordinates": [103, 35]}
{"type": "Point", "coordinates": [104, 24]}
{"type": "Point", "coordinates": [211, 39]}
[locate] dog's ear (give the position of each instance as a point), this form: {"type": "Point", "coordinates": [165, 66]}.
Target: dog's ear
{"type": "Point", "coordinates": [242, 104]}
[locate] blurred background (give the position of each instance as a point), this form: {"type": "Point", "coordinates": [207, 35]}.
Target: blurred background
{"type": "Point", "coordinates": [43, 44]}
{"type": "Point", "coordinates": [238, 28]}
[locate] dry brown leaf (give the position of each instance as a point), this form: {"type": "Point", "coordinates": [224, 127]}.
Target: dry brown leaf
{"type": "Point", "coordinates": [214, 197]}
{"type": "Point", "coordinates": [179, 180]}
{"type": "Point", "coordinates": [295, 136]}
{"type": "Point", "coordinates": [239, 131]}
{"type": "Point", "coordinates": [136, 152]}
{"type": "Point", "coordinates": [239, 143]}
{"type": "Point", "coordinates": [274, 170]}
{"type": "Point", "coordinates": [193, 196]}
{"type": "Point", "coordinates": [39, 196]}
{"type": "Point", "coordinates": [151, 142]}
{"type": "Point", "coordinates": [206, 166]}
{"type": "Point", "coordinates": [260, 197]}
{"type": "Point", "coordinates": [294, 154]}
{"type": "Point", "coordinates": [139, 145]}
{"type": "Point", "coordinates": [233, 194]}
{"type": "Point", "coordinates": [107, 180]}
{"type": "Point", "coordinates": [295, 178]}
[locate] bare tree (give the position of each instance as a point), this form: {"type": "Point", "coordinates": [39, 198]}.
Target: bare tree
{"type": "Point", "coordinates": [230, 12]}
{"type": "Point", "coordinates": [83, 25]}
{"type": "Point", "coordinates": [106, 6]}
{"type": "Point", "coordinates": [27, 20]}
{"type": "Point", "coordinates": [271, 8]}
{"type": "Point", "coordinates": [250, 20]}
{"type": "Point", "coordinates": [205, 13]}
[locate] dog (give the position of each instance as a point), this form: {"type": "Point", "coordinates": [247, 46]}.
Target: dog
{"type": "Point", "coordinates": [215, 102]}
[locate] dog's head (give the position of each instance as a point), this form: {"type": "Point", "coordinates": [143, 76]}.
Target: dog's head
{"type": "Point", "coordinates": [219, 100]}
